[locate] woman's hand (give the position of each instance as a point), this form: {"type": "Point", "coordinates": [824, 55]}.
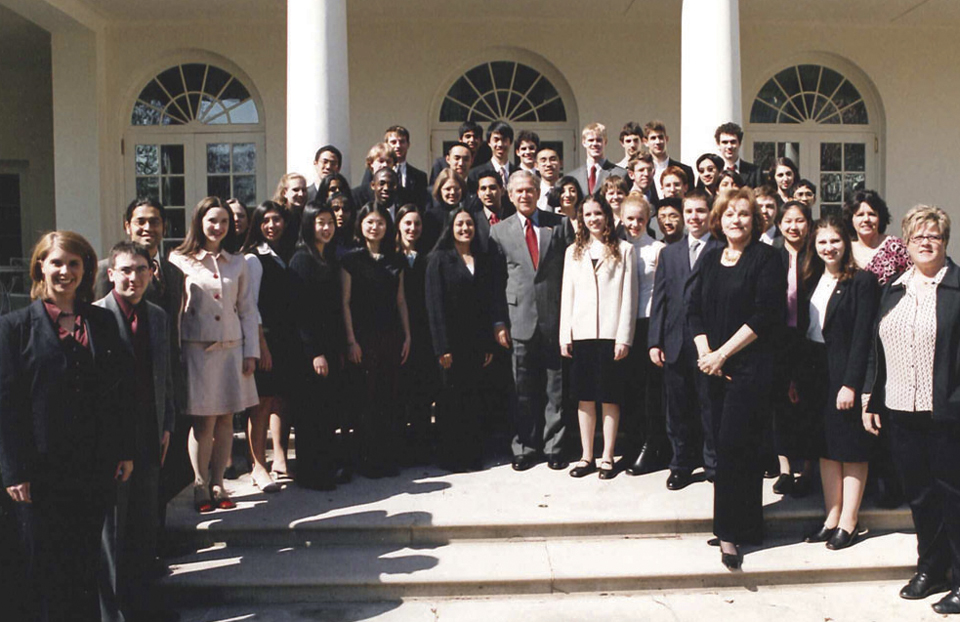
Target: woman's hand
{"type": "Point", "coordinates": [502, 335]}
{"type": "Point", "coordinates": [620, 351]}
{"type": "Point", "coordinates": [487, 358]}
{"type": "Point", "coordinates": [711, 363]}
{"type": "Point", "coordinates": [871, 423]}
{"type": "Point", "coordinates": [20, 493]}
{"type": "Point", "coordinates": [792, 393]}
{"type": "Point", "coordinates": [566, 350]}
{"type": "Point", "coordinates": [320, 366]}
{"type": "Point", "coordinates": [266, 360]}
{"type": "Point", "coordinates": [354, 353]}
{"type": "Point", "coordinates": [656, 356]}
{"type": "Point", "coordinates": [124, 470]}
{"type": "Point", "coordinates": [405, 350]}
{"type": "Point", "coordinates": [845, 398]}
{"type": "Point", "coordinates": [249, 365]}
{"type": "Point", "coordinates": [446, 360]}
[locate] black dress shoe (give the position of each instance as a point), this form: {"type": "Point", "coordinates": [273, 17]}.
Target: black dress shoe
{"type": "Point", "coordinates": [801, 487]}
{"type": "Point", "coordinates": [557, 463]}
{"type": "Point", "coordinates": [679, 480]}
{"type": "Point", "coordinates": [733, 561]}
{"type": "Point", "coordinates": [948, 604]}
{"type": "Point", "coordinates": [820, 535]}
{"type": "Point", "coordinates": [923, 585]}
{"type": "Point", "coordinates": [583, 468]}
{"type": "Point", "coordinates": [652, 458]}
{"type": "Point", "coordinates": [606, 473]}
{"type": "Point", "coordinates": [784, 484]}
{"type": "Point", "coordinates": [842, 538]}
{"type": "Point", "coordinates": [710, 476]}
{"type": "Point", "coordinates": [522, 462]}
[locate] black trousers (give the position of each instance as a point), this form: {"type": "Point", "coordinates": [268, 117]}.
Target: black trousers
{"type": "Point", "coordinates": [739, 409]}
{"type": "Point", "coordinates": [315, 421]}
{"type": "Point", "coordinates": [927, 456]}
{"type": "Point", "coordinates": [689, 424]}
{"type": "Point", "coordinates": [795, 426]}
{"type": "Point", "coordinates": [642, 420]}
{"type": "Point", "coordinates": [378, 427]}
{"type": "Point", "coordinates": [460, 442]}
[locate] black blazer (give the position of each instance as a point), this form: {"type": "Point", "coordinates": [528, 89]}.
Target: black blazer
{"type": "Point", "coordinates": [38, 418]}
{"type": "Point", "coordinates": [847, 327]}
{"type": "Point", "coordinates": [459, 304]}
{"type": "Point", "coordinates": [946, 356]}
{"type": "Point", "coordinates": [485, 169]}
{"type": "Point", "coordinates": [751, 174]}
{"type": "Point", "coordinates": [671, 295]}
{"type": "Point", "coordinates": [416, 191]}
{"type": "Point", "coordinates": [317, 305]}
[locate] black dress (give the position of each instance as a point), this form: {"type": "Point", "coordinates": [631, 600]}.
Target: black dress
{"type": "Point", "coordinates": [275, 303]}
{"type": "Point", "coordinates": [419, 379]}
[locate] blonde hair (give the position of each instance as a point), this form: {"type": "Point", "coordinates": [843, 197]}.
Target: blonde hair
{"type": "Point", "coordinates": [278, 195]}
{"type": "Point", "coordinates": [380, 151]}
{"type": "Point", "coordinates": [594, 128]}
{"type": "Point", "coordinates": [921, 214]}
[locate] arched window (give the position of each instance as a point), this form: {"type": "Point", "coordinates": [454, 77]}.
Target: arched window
{"type": "Point", "coordinates": [827, 118]}
{"type": "Point", "coordinates": [194, 92]}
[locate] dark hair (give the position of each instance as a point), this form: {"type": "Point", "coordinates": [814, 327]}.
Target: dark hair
{"type": "Point", "coordinates": [717, 163]}
{"type": "Point", "coordinates": [734, 175]}
{"type": "Point", "coordinates": [804, 208]}
{"type": "Point", "coordinates": [386, 247]}
{"type": "Point", "coordinates": [470, 126]}
{"type": "Point", "coordinates": [501, 127]}
{"type": "Point", "coordinates": [126, 247]}
{"type": "Point", "coordinates": [654, 126]}
{"type": "Point", "coordinates": [71, 242]}
{"type": "Point", "coordinates": [493, 174]}
{"type": "Point", "coordinates": [697, 194]}
{"type": "Point", "coordinates": [876, 203]}
{"type": "Point", "coordinates": [767, 190]}
{"type": "Point", "coordinates": [609, 236]}
{"type": "Point", "coordinates": [194, 240]}
{"type": "Point", "coordinates": [728, 128]}
{"type": "Point", "coordinates": [674, 202]}
{"type": "Point", "coordinates": [323, 188]}
{"type": "Point", "coordinates": [446, 240]}
{"type": "Point", "coordinates": [332, 150]}
{"type": "Point", "coordinates": [813, 265]}
{"type": "Point", "coordinates": [345, 234]}
{"type": "Point", "coordinates": [529, 137]}
{"type": "Point", "coordinates": [409, 208]}
{"type": "Point", "coordinates": [312, 211]}
{"type": "Point", "coordinates": [784, 161]}
{"type": "Point", "coordinates": [255, 233]}
{"type": "Point", "coordinates": [612, 181]}
{"type": "Point", "coordinates": [631, 128]}
{"type": "Point", "coordinates": [553, 196]}
{"type": "Point", "coordinates": [146, 202]}
{"type": "Point", "coordinates": [464, 145]}
{"type": "Point", "coordinates": [804, 183]}
{"type": "Point", "coordinates": [399, 130]}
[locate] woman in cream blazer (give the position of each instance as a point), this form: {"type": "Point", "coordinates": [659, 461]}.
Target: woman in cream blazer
{"type": "Point", "coordinates": [598, 267]}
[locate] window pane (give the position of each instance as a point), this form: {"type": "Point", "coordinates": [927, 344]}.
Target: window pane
{"type": "Point", "coordinates": [145, 159]}
{"type": "Point", "coordinates": [235, 90]}
{"type": "Point", "coordinates": [853, 182]}
{"type": "Point", "coordinates": [856, 114]}
{"type": "Point", "coordinates": [829, 81]}
{"type": "Point", "coordinates": [830, 159]}
{"type": "Point", "coordinates": [153, 94]}
{"type": "Point", "coordinates": [193, 74]}
{"type": "Point", "coordinates": [764, 154]}
{"type": "Point", "coordinates": [173, 191]}
{"type": "Point", "coordinates": [216, 79]}
{"type": "Point", "coordinates": [172, 81]}
{"type": "Point", "coordinates": [144, 115]}
{"type": "Point", "coordinates": [218, 186]}
{"type": "Point", "coordinates": [172, 159]}
{"type": "Point", "coordinates": [502, 73]}
{"type": "Point", "coordinates": [244, 158]}
{"type": "Point", "coordinates": [554, 111]}
{"type": "Point", "coordinates": [175, 223]}
{"type": "Point", "coordinates": [245, 113]}
{"type": "Point", "coordinates": [524, 78]}
{"type": "Point", "coordinates": [788, 80]}
{"type": "Point", "coordinates": [831, 209]}
{"type": "Point", "coordinates": [480, 76]}
{"type": "Point", "coordinates": [831, 187]}
{"type": "Point", "coordinates": [846, 95]}
{"type": "Point", "coordinates": [245, 189]}
{"type": "Point", "coordinates": [809, 76]}
{"type": "Point", "coordinates": [148, 187]}
{"type": "Point", "coordinates": [854, 157]}
{"type": "Point", "coordinates": [772, 94]}
{"type": "Point", "coordinates": [762, 113]}
{"type": "Point", "coordinates": [462, 91]}
{"type": "Point", "coordinates": [218, 158]}
{"type": "Point", "coordinates": [450, 111]}
{"type": "Point", "coordinates": [542, 92]}
{"type": "Point", "coordinates": [168, 120]}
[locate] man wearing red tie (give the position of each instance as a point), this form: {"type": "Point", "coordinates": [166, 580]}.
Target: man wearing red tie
{"type": "Point", "coordinates": [598, 168]}
{"type": "Point", "coordinates": [729, 136]}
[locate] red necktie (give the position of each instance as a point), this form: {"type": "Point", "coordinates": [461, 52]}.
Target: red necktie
{"type": "Point", "coordinates": [531, 236]}
{"type": "Point", "coordinates": [494, 219]}
{"type": "Point", "coordinates": [592, 181]}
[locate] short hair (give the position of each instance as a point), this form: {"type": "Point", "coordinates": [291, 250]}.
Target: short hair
{"type": "Point", "coordinates": [380, 151]}
{"type": "Point", "coordinates": [697, 195]}
{"type": "Point", "coordinates": [921, 214]}
{"type": "Point", "coordinates": [490, 174]}
{"type": "Point", "coordinates": [127, 247]}
{"type": "Point", "coordinates": [526, 136]}
{"type": "Point", "coordinates": [331, 149]}
{"type": "Point", "coordinates": [399, 130]}
{"type": "Point", "coordinates": [729, 128]}
{"type": "Point", "coordinates": [144, 202]}
{"type": "Point", "coordinates": [520, 176]}
{"type": "Point", "coordinates": [640, 156]}
{"type": "Point", "coordinates": [876, 203]}
{"type": "Point", "coordinates": [631, 128]}
{"type": "Point", "coordinates": [724, 199]}
{"type": "Point", "coordinates": [500, 127]}
{"type": "Point", "coordinates": [766, 190]}
{"type": "Point", "coordinates": [73, 243]}
{"type": "Point", "coordinates": [674, 202]}
{"type": "Point", "coordinates": [464, 145]}
{"type": "Point", "coordinates": [470, 126]}
{"type": "Point", "coordinates": [443, 177]}
{"type": "Point", "coordinates": [677, 172]}
{"type": "Point", "coordinates": [732, 174]}
{"type": "Point", "coordinates": [805, 183]}
{"type": "Point", "coordinates": [611, 182]}
{"type": "Point", "coordinates": [594, 128]}
{"type": "Point", "coordinates": [803, 207]}
{"type": "Point", "coordinates": [654, 126]}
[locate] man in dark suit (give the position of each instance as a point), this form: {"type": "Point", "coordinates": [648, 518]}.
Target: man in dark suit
{"type": "Point", "coordinates": [729, 137]}
{"type": "Point", "coordinates": [767, 204]}
{"type": "Point", "coordinates": [500, 141]}
{"type": "Point", "coordinates": [671, 347]}
{"type": "Point", "coordinates": [327, 161]}
{"type": "Point", "coordinates": [412, 181]}
{"type": "Point", "coordinates": [598, 167]}
{"type": "Point", "coordinates": [131, 529]}
{"type": "Point", "coordinates": [640, 170]}
{"type": "Point", "coordinates": [531, 246]}
{"type": "Point", "coordinates": [655, 139]}
{"type": "Point", "coordinates": [470, 134]}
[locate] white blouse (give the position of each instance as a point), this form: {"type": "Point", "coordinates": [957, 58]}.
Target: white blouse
{"type": "Point", "coordinates": [818, 306]}
{"type": "Point", "coordinates": [647, 251]}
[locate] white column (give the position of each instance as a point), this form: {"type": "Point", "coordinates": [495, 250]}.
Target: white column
{"type": "Point", "coordinates": [318, 87]}
{"type": "Point", "coordinates": [709, 73]}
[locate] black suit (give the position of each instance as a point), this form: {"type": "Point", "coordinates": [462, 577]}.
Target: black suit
{"type": "Point", "coordinates": [65, 424]}
{"type": "Point", "coordinates": [476, 172]}
{"type": "Point", "coordinates": [415, 191]}
{"type": "Point", "coordinates": [751, 174]}
{"type": "Point", "coordinates": [482, 157]}
{"type": "Point", "coordinates": [653, 196]}
{"type": "Point", "coordinates": [687, 409]}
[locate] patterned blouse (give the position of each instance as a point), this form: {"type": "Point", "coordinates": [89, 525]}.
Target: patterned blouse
{"type": "Point", "coordinates": [891, 258]}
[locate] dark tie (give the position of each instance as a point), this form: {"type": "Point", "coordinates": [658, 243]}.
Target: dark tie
{"type": "Point", "coordinates": [503, 175]}
{"type": "Point", "coordinates": [157, 276]}
{"type": "Point", "coordinates": [592, 180]}
{"type": "Point", "coordinates": [531, 236]}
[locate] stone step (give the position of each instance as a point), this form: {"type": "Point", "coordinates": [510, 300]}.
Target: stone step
{"type": "Point", "coordinates": [376, 571]}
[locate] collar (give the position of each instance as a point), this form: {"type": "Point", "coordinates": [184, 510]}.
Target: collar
{"type": "Point", "coordinates": [598, 163]}
{"type": "Point", "coordinates": [203, 253]}
{"type": "Point", "coordinates": [703, 239]}
{"type": "Point", "coordinates": [907, 277]}
{"type": "Point", "coordinates": [523, 219]}
{"type": "Point", "coordinates": [125, 307]}
{"type": "Point", "coordinates": [661, 164]}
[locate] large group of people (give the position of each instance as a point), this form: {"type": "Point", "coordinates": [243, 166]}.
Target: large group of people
{"type": "Point", "coordinates": [406, 319]}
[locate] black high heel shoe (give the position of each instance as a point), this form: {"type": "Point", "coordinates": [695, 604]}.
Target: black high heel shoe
{"type": "Point", "coordinates": [733, 561]}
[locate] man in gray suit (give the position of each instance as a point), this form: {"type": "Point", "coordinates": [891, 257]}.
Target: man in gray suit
{"type": "Point", "coordinates": [130, 531]}
{"type": "Point", "coordinates": [531, 245]}
{"type": "Point", "coordinates": [598, 167]}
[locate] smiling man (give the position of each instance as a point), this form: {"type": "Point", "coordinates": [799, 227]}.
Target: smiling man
{"type": "Point", "coordinates": [597, 168]}
{"type": "Point", "coordinates": [500, 141]}
{"type": "Point", "coordinates": [548, 166]}
{"type": "Point", "coordinates": [655, 139]}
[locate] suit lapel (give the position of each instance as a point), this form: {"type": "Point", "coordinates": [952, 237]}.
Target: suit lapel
{"type": "Point", "coordinates": [839, 291]}
{"type": "Point", "coordinates": [545, 234]}
{"type": "Point", "coordinates": [47, 335]}
{"type": "Point", "coordinates": [111, 303]}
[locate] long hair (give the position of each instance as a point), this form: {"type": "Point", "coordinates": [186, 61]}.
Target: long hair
{"type": "Point", "coordinates": [323, 188]}
{"type": "Point", "coordinates": [553, 196]}
{"type": "Point", "coordinates": [312, 211]}
{"type": "Point", "coordinates": [283, 184]}
{"type": "Point", "coordinates": [409, 208]}
{"type": "Point", "coordinates": [70, 242]}
{"type": "Point", "coordinates": [446, 240]}
{"type": "Point", "coordinates": [387, 247]}
{"type": "Point", "coordinates": [255, 231]}
{"type": "Point", "coordinates": [194, 240]}
{"type": "Point", "coordinates": [442, 178]}
{"type": "Point", "coordinates": [607, 236]}
{"type": "Point", "coordinates": [813, 265]}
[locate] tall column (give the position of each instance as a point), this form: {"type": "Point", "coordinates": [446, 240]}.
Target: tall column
{"type": "Point", "coordinates": [709, 73]}
{"type": "Point", "coordinates": [318, 88]}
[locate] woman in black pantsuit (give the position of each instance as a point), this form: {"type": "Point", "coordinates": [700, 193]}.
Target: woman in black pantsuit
{"type": "Point", "coordinates": [836, 317]}
{"type": "Point", "coordinates": [315, 274]}
{"type": "Point", "coordinates": [736, 307]}
{"type": "Point", "coordinates": [65, 425]}
{"type": "Point", "coordinates": [459, 285]}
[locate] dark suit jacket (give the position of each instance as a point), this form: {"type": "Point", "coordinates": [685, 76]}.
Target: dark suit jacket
{"type": "Point", "coordinates": [317, 298]}
{"type": "Point", "coordinates": [416, 191]}
{"type": "Point", "coordinates": [751, 173]}
{"type": "Point", "coordinates": [485, 169]}
{"type": "Point", "coordinates": [38, 419]}
{"type": "Point", "coordinates": [435, 218]}
{"type": "Point", "coordinates": [671, 295]}
{"type": "Point", "coordinates": [847, 327]}
{"type": "Point", "coordinates": [946, 356]}
{"type": "Point", "coordinates": [607, 168]}
{"type": "Point", "coordinates": [482, 157]}
{"type": "Point", "coordinates": [653, 196]}
{"type": "Point", "coordinates": [460, 304]}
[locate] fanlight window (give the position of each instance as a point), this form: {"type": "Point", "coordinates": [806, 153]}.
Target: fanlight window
{"type": "Point", "coordinates": [503, 90]}
{"type": "Point", "coordinates": [809, 93]}
{"type": "Point", "coordinates": [194, 93]}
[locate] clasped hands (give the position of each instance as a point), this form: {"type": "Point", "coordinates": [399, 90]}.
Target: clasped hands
{"type": "Point", "coordinates": [711, 363]}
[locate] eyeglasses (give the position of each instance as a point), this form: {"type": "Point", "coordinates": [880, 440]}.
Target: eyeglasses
{"type": "Point", "coordinates": [920, 239]}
